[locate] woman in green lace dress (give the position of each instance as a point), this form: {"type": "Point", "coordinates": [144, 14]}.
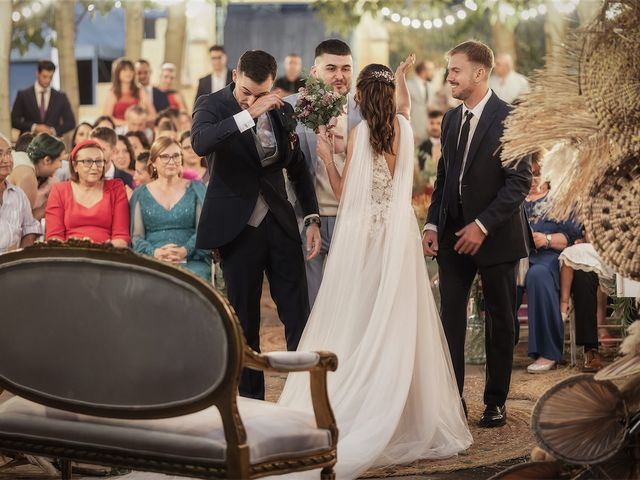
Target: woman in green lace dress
{"type": "Point", "coordinates": [165, 212]}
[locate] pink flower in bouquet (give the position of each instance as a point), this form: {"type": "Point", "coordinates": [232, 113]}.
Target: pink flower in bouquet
{"type": "Point", "coordinates": [317, 104]}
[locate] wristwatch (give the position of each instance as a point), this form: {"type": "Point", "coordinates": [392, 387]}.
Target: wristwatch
{"type": "Point", "coordinates": [548, 237]}
{"type": "Point", "coordinates": [311, 220]}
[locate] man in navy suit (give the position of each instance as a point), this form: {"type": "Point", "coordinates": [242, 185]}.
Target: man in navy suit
{"type": "Point", "coordinates": [41, 108]}
{"type": "Point", "coordinates": [220, 75]}
{"type": "Point", "coordinates": [476, 222]}
{"type": "Point", "coordinates": [248, 136]}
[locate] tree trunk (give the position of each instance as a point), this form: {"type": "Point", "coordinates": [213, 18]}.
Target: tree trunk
{"type": "Point", "coordinates": [134, 29]}
{"type": "Point", "coordinates": [64, 11]}
{"type": "Point", "coordinates": [504, 39]}
{"type": "Point", "coordinates": [555, 28]}
{"type": "Point", "coordinates": [6, 28]}
{"type": "Point", "coordinates": [174, 38]}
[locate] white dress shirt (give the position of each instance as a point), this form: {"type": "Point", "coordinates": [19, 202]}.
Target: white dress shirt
{"type": "Point", "coordinates": [218, 81]}
{"type": "Point", "coordinates": [47, 95]}
{"type": "Point", "coordinates": [473, 124]}
{"type": "Point", "coordinates": [16, 218]}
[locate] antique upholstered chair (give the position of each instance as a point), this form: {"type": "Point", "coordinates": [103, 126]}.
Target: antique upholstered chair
{"type": "Point", "coordinates": [118, 359]}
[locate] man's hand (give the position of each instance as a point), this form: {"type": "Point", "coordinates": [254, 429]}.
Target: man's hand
{"type": "Point", "coordinates": [430, 243]}
{"type": "Point", "coordinates": [540, 240]}
{"type": "Point", "coordinates": [314, 241]}
{"type": "Point", "coordinates": [264, 104]}
{"type": "Point", "coordinates": [470, 241]}
{"type": "Point", "coordinates": [42, 128]}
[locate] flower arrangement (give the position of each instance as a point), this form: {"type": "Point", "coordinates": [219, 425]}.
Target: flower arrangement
{"type": "Point", "coordinates": [317, 104]}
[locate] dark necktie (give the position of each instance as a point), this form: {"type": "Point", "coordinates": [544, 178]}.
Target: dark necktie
{"type": "Point", "coordinates": [43, 110]}
{"type": "Point", "coordinates": [453, 175]}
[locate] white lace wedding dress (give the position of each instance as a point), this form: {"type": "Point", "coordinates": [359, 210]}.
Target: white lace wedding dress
{"type": "Point", "coordinates": [394, 394]}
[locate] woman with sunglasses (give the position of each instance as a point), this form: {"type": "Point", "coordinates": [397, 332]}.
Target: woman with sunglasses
{"type": "Point", "coordinates": [88, 205]}
{"type": "Point", "coordinates": [166, 211]}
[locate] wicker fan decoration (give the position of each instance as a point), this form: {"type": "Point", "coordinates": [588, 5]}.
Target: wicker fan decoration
{"type": "Point", "coordinates": [612, 217]}
{"type": "Point", "coordinates": [587, 98]}
{"type": "Point", "coordinates": [581, 420]}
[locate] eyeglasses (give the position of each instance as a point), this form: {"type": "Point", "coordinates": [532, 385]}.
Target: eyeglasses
{"type": "Point", "coordinates": [6, 153]}
{"type": "Point", "coordinates": [166, 158]}
{"type": "Point", "coordinates": [88, 163]}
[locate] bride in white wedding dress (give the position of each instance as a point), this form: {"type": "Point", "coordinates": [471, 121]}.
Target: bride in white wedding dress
{"type": "Point", "coordinates": [394, 394]}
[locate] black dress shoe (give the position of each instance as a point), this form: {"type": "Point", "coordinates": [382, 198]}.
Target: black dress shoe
{"type": "Point", "coordinates": [464, 407]}
{"type": "Point", "coordinates": [493, 416]}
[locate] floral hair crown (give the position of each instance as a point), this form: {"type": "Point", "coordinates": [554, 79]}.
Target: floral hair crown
{"type": "Point", "coordinates": [383, 75]}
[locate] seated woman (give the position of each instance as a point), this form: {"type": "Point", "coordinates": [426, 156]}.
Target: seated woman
{"type": "Point", "coordinates": [589, 280]}
{"type": "Point", "coordinates": [88, 205]}
{"type": "Point", "coordinates": [542, 281]}
{"type": "Point", "coordinates": [18, 228]}
{"type": "Point", "coordinates": [123, 156]}
{"type": "Point", "coordinates": [141, 174]}
{"type": "Point", "coordinates": [195, 166]}
{"type": "Point", "coordinates": [33, 172]}
{"type": "Point", "coordinates": [166, 211]}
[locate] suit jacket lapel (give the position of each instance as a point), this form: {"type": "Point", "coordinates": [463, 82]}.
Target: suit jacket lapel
{"type": "Point", "coordinates": [486, 119]}
{"type": "Point", "coordinates": [34, 103]}
{"type": "Point", "coordinates": [452, 135]}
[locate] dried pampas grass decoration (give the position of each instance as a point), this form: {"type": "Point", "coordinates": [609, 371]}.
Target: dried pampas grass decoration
{"type": "Point", "coordinates": [586, 101]}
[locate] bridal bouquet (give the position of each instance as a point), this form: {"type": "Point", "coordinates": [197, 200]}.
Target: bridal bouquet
{"type": "Point", "coordinates": [317, 104]}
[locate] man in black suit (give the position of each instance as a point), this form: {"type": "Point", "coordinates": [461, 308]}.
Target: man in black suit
{"type": "Point", "coordinates": [249, 137]}
{"type": "Point", "coordinates": [143, 76]}
{"type": "Point", "coordinates": [220, 75]}
{"type": "Point", "coordinates": [476, 222]}
{"type": "Point", "coordinates": [41, 108]}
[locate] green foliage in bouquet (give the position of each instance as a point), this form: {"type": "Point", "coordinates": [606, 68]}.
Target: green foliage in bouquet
{"type": "Point", "coordinates": [317, 104]}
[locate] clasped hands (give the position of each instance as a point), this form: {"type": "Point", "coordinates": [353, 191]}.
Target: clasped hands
{"type": "Point", "coordinates": [470, 239]}
{"type": "Point", "coordinates": [170, 253]}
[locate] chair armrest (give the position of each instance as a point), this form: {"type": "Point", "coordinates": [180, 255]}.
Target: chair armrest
{"type": "Point", "coordinates": [317, 364]}
{"type": "Point", "coordinates": [290, 361]}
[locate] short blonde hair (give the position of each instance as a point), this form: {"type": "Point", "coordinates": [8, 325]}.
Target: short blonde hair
{"type": "Point", "coordinates": [476, 52]}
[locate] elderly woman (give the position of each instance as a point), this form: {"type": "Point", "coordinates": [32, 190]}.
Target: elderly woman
{"type": "Point", "coordinates": [542, 281]}
{"type": "Point", "coordinates": [165, 85]}
{"type": "Point", "coordinates": [18, 228]}
{"type": "Point", "coordinates": [165, 212]}
{"type": "Point", "coordinates": [88, 206]}
{"type": "Point", "coordinates": [32, 172]}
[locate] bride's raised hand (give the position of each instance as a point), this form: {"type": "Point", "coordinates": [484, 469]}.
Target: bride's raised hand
{"type": "Point", "coordinates": [324, 147]}
{"type": "Point", "coordinates": [405, 65]}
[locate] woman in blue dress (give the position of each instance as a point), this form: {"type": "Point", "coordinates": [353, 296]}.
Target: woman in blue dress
{"type": "Point", "coordinates": [542, 281]}
{"type": "Point", "coordinates": [165, 212]}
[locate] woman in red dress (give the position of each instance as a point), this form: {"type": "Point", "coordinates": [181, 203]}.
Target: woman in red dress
{"type": "Point", "coordinates": [125, 93]}
{"type": "Point", "coordinates": [88, 205]}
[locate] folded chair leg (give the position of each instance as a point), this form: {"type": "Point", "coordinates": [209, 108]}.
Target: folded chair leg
{"type": "Point", "coordinates": [327, 474]}
{"type": "Point", "coordinates": [65, 469]}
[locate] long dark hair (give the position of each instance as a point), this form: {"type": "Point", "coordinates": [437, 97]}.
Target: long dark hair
{"type": "Point", "coordinates": [119, 65]}
{"type": "Point", "coordinates": [375, 96]}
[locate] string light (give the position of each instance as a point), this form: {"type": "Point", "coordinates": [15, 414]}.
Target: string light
{"type": "Point", "coordinates": [450, 18]}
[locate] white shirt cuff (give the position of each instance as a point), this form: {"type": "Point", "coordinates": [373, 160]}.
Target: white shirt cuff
{"type": "Point", "coordinates": [430, 226]}
{"type": "Point", "coordinates": [244, 120]}
{"type": "Point", "coordinates": [484, 230]}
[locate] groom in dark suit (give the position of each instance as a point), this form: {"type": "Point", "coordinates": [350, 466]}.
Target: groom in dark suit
{"type": "Point", "coordinates": [476, 222]}
{"type": "Point", "coordinates": [248, 136]}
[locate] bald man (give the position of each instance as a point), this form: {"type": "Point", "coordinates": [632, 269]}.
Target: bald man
{"type": "Point", "coordinates": [506, 82]}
